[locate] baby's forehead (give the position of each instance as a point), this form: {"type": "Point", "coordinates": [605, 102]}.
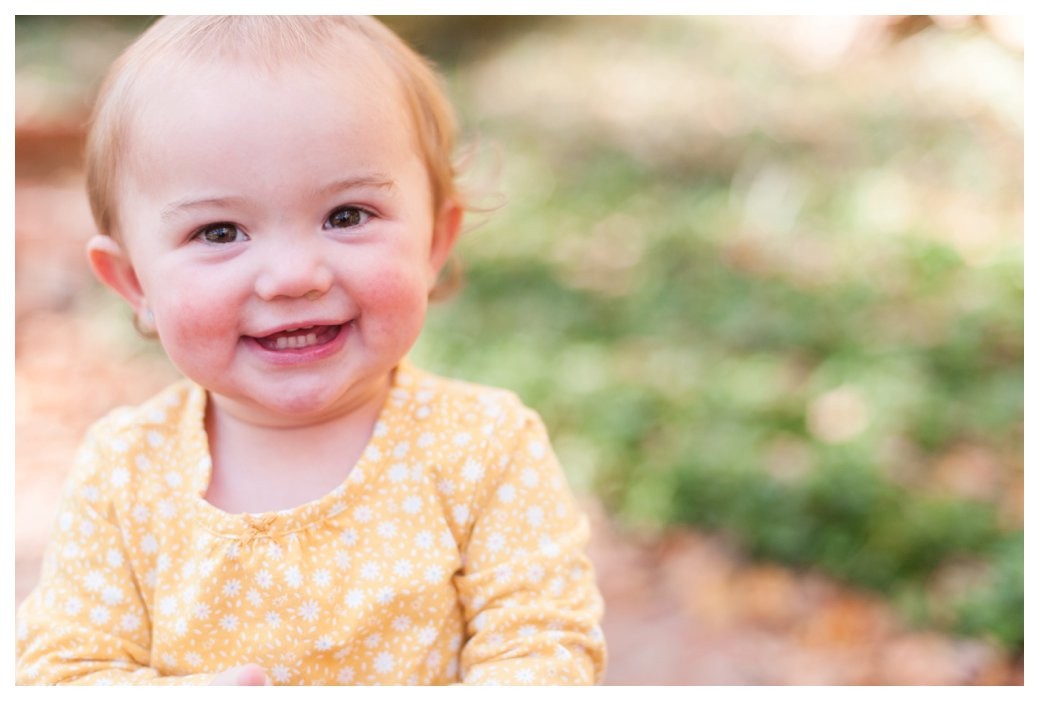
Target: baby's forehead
{"type": "Point", "coordinates": [205, 115]}
{"type": "Point", "coordinates": [353, 71]}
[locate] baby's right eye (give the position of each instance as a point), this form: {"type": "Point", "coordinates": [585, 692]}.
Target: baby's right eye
{"type": "Point", "coordinates": [220, 233]}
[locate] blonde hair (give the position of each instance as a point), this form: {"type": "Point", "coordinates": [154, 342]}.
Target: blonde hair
{"type": "Point", "coordinates": [266, 40]}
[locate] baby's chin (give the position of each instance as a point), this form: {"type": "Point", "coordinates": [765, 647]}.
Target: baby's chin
{"type": "Point", "coordinates": [303, 404]}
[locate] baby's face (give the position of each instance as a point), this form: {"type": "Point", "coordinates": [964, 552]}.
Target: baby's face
{"type": "Point", "coordinates": [281, 229]}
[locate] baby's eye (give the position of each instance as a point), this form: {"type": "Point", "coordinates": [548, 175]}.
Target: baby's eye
{"type": "Point", "coordinates": [346, 217]}
{"type": "Point", "coordinates": [220, 233]}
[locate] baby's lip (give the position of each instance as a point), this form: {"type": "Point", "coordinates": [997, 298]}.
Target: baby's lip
{"type": "Point", "coordinates": [295, 326]}
{"type": "Point", "coordinates": [299, 339]}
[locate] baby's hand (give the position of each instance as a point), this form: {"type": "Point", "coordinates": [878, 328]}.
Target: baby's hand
{"type": "Point", "coordinates": [245, 675]}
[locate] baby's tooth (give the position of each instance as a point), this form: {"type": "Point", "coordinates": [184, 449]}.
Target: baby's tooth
{"type": "Point", "coordinates": [302, 341]}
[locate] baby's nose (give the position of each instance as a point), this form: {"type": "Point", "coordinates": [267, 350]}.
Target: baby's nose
{"type": "Point", "coordinates": [293, 271]}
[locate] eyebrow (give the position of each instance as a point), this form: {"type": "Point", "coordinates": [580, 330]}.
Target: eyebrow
{"type": "Point", "coordinates": [171, 210]}
{"type": "Point", "coordinates": [376, 180]}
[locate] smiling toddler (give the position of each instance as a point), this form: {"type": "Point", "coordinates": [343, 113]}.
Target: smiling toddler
{"type": "Point", "coordinates": [276, 200]}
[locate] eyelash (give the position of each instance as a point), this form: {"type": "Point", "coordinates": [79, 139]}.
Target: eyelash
{"type": "Point", "coordinates": [364, 214]}
{"type": "Point", "coordinates": [208, 228]}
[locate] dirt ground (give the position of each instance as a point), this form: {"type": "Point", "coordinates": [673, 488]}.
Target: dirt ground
{"type": "Point", "coordinates": [681, 608]}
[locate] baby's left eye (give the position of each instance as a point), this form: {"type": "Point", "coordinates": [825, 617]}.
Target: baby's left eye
{"type": "Point", "coordinates": [347, 217]}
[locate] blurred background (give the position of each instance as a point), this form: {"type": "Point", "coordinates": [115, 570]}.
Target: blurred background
{"type": "Point", "coordinates": [763, 279]}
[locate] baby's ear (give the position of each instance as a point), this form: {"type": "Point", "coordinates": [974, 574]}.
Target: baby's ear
{"type": "Point", "coordinates": [112, 266]}
{"type": "Point", "coordinates": [446, 228]}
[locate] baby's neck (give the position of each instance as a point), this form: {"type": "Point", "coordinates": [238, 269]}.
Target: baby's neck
{"type": "Point", "coordinates": [257, 469]}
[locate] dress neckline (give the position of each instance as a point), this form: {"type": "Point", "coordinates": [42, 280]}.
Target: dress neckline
{"type": "Point", "coordinates": [274, 524]}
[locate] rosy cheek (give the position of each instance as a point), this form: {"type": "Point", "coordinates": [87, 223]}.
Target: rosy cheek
{"type": "Point", "coordinates": [191, 326]}
{"type": "Point", "coordinates": [397, 296]}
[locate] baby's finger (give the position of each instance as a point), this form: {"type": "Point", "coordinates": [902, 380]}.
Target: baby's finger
{"type": "Point", "coordinates": [245, 675]}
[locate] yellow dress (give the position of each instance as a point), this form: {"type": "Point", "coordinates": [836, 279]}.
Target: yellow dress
{"type": "Point", "coordinates": [453, 552]}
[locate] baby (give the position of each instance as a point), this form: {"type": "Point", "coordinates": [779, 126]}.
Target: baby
{"type": "Point", "coordinates": [276, 201]}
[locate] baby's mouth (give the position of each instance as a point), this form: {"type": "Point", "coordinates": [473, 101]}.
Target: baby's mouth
{"type": "Point", "coordinates": [295, 339]}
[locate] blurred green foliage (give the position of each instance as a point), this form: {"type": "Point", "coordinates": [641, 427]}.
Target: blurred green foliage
{"type": "Point", "coordinates": [678, 319]}
{"type": "Point", "coordinates": [996, 610]}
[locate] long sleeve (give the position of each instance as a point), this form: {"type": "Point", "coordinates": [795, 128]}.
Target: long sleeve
{"type": "Point", "coordinates": [528, 589]}
{"type": "Point", "coordinates": [87, 622]}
